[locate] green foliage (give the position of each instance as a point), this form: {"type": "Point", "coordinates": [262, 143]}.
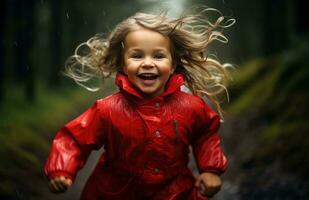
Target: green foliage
{"type": "Point", "coordinates": [27, 129]}
{"type": "Point", "coordinates": [271, 95]}
{"type": "Point", "coordinates": [258, 80]}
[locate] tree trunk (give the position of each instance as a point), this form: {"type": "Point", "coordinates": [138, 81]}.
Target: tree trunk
{"type": "Point", "coordinates": [275, 33]}
{"type": "Point", "coordinates": [56, 39]}
{"type": "Point", "coordinates": [302, 22]}
{"type": "Point", "coordinates": [25, 57]}
{"type": "Point", "coordinates": [2, 46]}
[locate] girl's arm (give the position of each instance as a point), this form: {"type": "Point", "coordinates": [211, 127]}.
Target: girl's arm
{"type": "Point", "coordinates": [209, 156]}
{"type": "Point", "coordinates": [73, 143]}
{"type": "Point", "coordinates": [206, 143]}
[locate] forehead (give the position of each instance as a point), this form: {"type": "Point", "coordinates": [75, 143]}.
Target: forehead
{"type": "Point", "coordinates": [145, 38]}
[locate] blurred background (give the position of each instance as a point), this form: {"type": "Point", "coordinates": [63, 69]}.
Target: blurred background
{"type": "Point", "coordinates": [266, 130]}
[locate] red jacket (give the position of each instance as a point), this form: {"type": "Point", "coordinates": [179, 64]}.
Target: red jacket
{"type": "Point", "coordinates": [144, 139]}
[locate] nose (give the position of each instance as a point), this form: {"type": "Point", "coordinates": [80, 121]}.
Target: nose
{"type": "Point", "coordinates": [148, 63]}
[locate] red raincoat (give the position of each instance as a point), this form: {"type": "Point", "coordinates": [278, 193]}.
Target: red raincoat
{"type": "Point", "coordinates": [146, 144]}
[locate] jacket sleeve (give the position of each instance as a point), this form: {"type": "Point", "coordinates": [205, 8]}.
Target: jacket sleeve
{"type": "Point", "coordinates": [206, 142]}
{"type": "Point", "coordinates": [74, 142]}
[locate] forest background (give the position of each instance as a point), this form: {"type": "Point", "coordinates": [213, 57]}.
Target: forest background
{"type": "Point", "coordinates": [266, 131]}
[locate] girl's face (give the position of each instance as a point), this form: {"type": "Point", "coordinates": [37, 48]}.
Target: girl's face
{"type": "Point", "coordinates": [148, 61]}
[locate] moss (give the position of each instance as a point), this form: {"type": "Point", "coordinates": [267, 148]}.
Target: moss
{"type": "Point", "coordinates": [272, 97]}
{"type": "Point", "coordinates": [22, 141]}
{"type": "Point", "coordinates": [256, 94]}
{"type": "Point", "coordinates": [248, 70]}
{"type": "Point", "coordinates": [275, 131]}
{"type": "Point", "coordinates": [7, 188]}
{"type": "Point", "coordinates": [269, 101]}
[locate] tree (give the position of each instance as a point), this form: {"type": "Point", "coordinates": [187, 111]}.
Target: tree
{"type": "Point", "coordinates": [25, 68]}
{"type": "Point", "coordinates": [55, 42]}
{"type": "Point", "coordinates": [2, 46]}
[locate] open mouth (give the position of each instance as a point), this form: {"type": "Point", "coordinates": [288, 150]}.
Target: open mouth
{"type": "Point", "coordinates": [147, 76]}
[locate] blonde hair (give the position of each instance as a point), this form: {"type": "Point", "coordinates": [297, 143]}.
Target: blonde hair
{"type": "Point", "coordinates": [190, 36]}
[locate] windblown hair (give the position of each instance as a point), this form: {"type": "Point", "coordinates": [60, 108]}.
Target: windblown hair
{"type": "Point", "coordinates": [190, 36]}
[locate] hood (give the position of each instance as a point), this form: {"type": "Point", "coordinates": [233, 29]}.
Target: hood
{"type": "Point", "coordinates": [172, 85]}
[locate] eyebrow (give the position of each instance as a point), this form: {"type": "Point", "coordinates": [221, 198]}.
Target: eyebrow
{"type": "Point", "coordinates": [139, 49]}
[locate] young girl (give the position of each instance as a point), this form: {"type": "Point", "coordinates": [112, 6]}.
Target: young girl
{"type": "Point", "coordinates": [147, 127]}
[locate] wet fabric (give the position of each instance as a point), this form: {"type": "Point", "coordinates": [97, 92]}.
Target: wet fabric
{"type": "Point", "coordinates": [146, 144]}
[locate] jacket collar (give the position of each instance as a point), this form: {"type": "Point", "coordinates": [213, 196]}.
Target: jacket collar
{"type": "Point", "coordinates": [173, 85]}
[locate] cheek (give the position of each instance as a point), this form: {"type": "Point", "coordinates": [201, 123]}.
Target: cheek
{"type": "Point", "coordinates": [168, 70]}
{"type": "Point", "coordinates": [124, 64]}
{"type": "Point", "coordinates": [170, 67]}
{"type": "Point", "coordinates": [127, 68]}
{"type": "Point", "coordinates": [124, 69]}
{"type": "Point", "coordinates": [130, 72]}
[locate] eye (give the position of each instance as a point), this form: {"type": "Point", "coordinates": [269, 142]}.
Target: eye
{"type": "Point", "coordinates": [136, 55]}
{"type": "Point", "coordinates": [159, 56]}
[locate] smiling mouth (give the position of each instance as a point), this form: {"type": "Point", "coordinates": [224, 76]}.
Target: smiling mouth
{"type": "Point", "coordinates": [147, 76]}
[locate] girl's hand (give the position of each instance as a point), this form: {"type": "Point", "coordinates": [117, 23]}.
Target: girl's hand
{"type": "Point", "coordinates": [208, 183]}
{"type": "Point", "coordinates": [59, 184]}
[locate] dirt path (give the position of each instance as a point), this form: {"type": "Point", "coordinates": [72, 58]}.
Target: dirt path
{"type": "Point", "coordinates": [228, 190]}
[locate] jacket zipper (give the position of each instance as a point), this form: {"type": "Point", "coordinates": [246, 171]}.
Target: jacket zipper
{"type": "Point", "coordinates": [175, 123]}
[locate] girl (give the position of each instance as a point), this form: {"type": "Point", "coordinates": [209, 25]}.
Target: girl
{"type": "Point", "coordinates": [147, 127]}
